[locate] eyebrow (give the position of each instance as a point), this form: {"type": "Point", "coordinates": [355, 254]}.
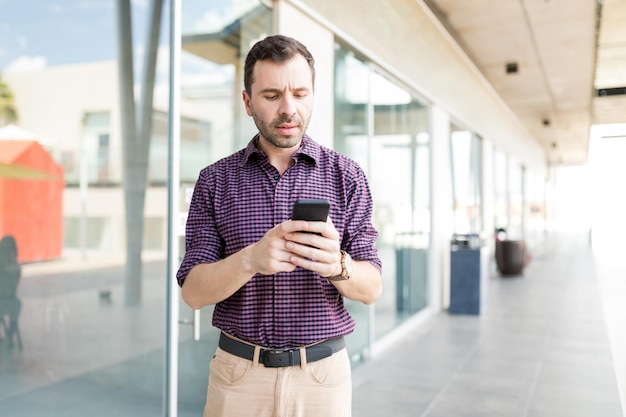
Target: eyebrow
{"type": "Point", "coordinates": [278, 90]}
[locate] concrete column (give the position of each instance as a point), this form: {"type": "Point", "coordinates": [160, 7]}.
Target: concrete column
{"type": "Point", "coordinates": [441, 214]}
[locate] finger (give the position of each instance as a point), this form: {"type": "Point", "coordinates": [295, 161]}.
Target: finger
{"type": "Point", "coordinates": [323, 269]}
{"type": "Point", "coordinates": [306, 238]}
{"type": "Point", "coordinates": [306, 263]}
{"type": "Point", "coordinates": [301, 249]}
{"type": "Point", "coordinates": [319, 228]}
{"type": "Point", "coordinates": [291, 226]}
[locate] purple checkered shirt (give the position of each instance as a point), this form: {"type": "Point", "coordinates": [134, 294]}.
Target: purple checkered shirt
{"type": "Point", "coordinates": [239, 198]}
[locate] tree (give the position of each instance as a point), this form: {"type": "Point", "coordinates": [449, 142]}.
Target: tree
{"type": "Point", "coordinates": [8, 112]}
{"type": "Point", "coordinates": [136, 121]}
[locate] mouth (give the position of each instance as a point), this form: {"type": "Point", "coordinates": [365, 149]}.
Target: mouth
{"type": "Point", "coordinates": [287, 129]}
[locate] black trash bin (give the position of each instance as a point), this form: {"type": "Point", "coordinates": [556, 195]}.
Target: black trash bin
{"type": "Point", "coordinates": [511, 255]}
{"type": "Point", "coordinates": [468, 274]}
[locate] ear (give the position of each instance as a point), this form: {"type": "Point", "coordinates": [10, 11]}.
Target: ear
{"type": "Point", "coordinates": [246, 102]}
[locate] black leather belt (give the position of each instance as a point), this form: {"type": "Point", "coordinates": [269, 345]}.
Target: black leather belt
{"type": "Point", "coordinates": [278, 358]}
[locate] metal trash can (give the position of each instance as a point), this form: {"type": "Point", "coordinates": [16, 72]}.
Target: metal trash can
{"type": "Point", "coordinates": [469, 260]}
{"type": "Point", "coordinates": [511, 256]}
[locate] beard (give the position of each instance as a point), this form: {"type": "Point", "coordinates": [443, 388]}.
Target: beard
{"type": "Point", "coordinates": [269, 130]}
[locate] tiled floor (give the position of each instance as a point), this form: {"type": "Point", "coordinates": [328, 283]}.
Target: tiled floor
{"type": "Point", "coordinates": [549, 344]}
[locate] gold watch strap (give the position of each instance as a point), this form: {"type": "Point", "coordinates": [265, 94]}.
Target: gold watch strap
{"type": "Point", "coordinates": [345, 275]}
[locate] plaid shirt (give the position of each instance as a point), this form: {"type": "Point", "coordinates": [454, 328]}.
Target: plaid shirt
{"type": "Point", "coordinates": [239, 198]}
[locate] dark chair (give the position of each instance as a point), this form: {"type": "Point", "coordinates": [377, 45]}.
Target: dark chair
{"type": "Point", "coordinates": [10, 304]}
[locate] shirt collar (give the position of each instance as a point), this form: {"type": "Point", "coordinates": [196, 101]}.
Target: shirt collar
{"type": "Point", "coordinates": [309, 150]}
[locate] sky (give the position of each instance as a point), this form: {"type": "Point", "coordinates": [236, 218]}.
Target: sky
{"type": "Point", "coordinates": [39, 33]}
{"type": "Point", "coordinates": [35, 34]}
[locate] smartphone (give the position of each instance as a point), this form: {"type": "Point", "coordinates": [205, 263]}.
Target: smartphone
{"type": "Point", "coordinates": [311, 210]}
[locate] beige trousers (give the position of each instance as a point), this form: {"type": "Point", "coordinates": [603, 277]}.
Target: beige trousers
{"type": "Point", "coordinates": [243, 388]}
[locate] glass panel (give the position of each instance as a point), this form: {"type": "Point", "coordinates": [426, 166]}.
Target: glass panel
{"type": "Point", "coordinates": [86, 320]}
{"type": "Point", "coordinates": [535, 192]}
{"type": "Point", "coordinates": [77, 290]}
{"type": "Point", "coordinates": [95, 152]}
{"type": "Point", "coordinates": [466, 181]}
{"type": "Point", "coordinates": [516, 184]}
{"type": "Point", "coordinates": [351, 98]}
{"type": "Point", "coordinates": [380, 125]}
{"type": "Point", "coordinates": [500, 175]}
{"type": "Point", "coordinates": [216, 39]}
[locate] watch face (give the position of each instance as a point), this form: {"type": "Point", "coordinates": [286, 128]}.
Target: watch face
{"type": "Point", "coordinates": [348, 263]}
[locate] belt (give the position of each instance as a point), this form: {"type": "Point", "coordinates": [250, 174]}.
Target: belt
{"type": "Point", "coordinates": [278, 358]}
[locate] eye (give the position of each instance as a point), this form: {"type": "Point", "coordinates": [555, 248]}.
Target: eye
{"type": "Point", "coordinates": [272, 97]}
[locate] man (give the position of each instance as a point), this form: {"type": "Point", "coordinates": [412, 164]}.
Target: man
{"type": "Point", "coordinates": [278, 284]}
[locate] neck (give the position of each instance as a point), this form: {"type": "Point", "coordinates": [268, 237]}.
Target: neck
{"type": "Point", "coordinates": [279, 158]}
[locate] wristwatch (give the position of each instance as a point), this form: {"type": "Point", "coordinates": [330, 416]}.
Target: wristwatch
{"type": "Point", "coordinates": [346, 268]}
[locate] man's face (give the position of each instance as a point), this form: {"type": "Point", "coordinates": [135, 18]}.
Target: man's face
{"type": "Point", "coordinates": [281, 101]}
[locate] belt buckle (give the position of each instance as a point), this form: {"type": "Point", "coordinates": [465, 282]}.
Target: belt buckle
{"type": "Point", "coordinates": [278, 358]}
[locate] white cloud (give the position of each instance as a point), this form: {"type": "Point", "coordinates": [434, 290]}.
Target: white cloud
{"type": "Point", "coordinates": [25, 63]}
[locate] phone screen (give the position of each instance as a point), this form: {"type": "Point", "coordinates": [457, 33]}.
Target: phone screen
{"type": "Point", "coordinates": [311, 210]}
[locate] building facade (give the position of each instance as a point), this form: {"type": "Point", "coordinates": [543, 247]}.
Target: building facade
{"type": "Point", "coordinates": [443, 154]}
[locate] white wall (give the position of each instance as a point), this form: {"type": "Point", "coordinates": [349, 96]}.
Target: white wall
{"type": "Point", "coordinates": [52, 101]}
{"type": "Point", "coordinates": [441, 208]}
{"type": "Point", "coordinates": [320, 42]}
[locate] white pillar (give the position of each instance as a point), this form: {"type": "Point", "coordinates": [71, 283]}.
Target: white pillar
{"type": "Point", "coordinates": [441, 215]}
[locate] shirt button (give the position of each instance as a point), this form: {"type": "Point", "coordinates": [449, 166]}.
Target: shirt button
{"type": "Point", "coordinates": [276, 177]}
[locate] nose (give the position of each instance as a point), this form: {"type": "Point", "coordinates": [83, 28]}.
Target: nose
{"type": "Point", "coordinates": [287, 105]}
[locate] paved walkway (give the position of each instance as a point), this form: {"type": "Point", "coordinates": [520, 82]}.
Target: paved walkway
{"type": "Point", "coordinates": [549, 345]}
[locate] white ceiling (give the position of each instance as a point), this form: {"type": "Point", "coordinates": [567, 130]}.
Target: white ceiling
{"type": "Point", "coordinates": [565, 50]}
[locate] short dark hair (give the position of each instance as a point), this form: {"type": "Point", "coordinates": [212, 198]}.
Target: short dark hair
{"type": "Point", "coordinates": [276, 48]}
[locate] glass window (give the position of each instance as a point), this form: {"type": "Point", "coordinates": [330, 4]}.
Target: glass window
{"type": "Point", "coordinates": [92, 317]}
{"type": "Point", "coordinates": [501, 204]}
{"type": "Point", "coordinates": [196, 139]}
{"type": "Point", "coordinates": [535, 192]}
{"type": "Point", "coordinates": [466, 164]}
{"type": "Point", "coordinates": [216, 39]}
{"type": "Point", "coordinates": [382, 125]}
{"type": "Point", "coordinates": [95, 148]}
{"type": "Point", "coordinates": [515, 229]}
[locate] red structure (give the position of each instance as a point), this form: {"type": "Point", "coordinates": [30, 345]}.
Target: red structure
{"type": "Point", "coordinates": [31, 200]}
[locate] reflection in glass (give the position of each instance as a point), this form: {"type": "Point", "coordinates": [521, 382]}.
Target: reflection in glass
{"type": "Point", "coordinates": [515, 229]}
{"type": "Point", "coordinates": [501, 203]}
{"type": "Point", "coordinates": [384, 128]}
{"type": "Point", "coordinates": [83, 350]}
{"type": "Point", "coordinates": [466, 154]}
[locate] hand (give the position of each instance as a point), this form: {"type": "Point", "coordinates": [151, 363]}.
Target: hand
{"type": "Point", "coordinates": [269, 255]}
{"type": "Point", "coordinates": [314, 246]}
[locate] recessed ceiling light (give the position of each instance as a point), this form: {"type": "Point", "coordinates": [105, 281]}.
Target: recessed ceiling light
{"type": "Point", "coordinates": [511, 67]}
